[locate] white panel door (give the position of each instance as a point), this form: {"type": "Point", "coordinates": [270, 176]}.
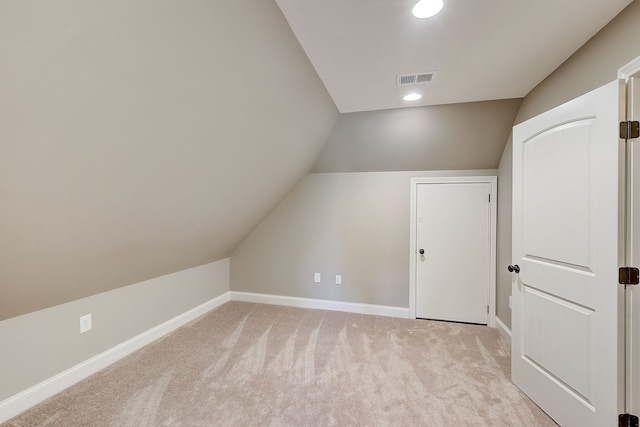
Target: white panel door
{"type": "Point", "coordinates": [567, 212]}
{"type": "Point", "coordinates": [453, 240]}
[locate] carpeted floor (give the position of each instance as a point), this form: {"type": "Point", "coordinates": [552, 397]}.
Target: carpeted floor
{"type": "Point", "coordinates": [248, 364]}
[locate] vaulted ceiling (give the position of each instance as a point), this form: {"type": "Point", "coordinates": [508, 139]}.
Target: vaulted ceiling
{"type": "Point", "coordinates": [480, 50]}
{"type": "Point", "coordinates": [484, 57]}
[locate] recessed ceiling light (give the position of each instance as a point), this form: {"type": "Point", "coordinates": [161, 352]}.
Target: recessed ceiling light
{"type": "Point", "coordinates": [427, 8]}
{"type": "Point", "coordinates": [412, 97]}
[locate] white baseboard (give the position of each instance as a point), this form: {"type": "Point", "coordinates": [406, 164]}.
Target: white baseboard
{"type": "Point", "coordinates": [22, 401]}
{"type": "Point", "coordinates": [504, 331]}
{"type": "Point", "coordinates": [350, 307]}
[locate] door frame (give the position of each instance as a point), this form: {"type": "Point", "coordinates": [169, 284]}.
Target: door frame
{"type": "Point", "coordinates": [628, 305]}
{"type": "Point", "coordinates": [413, 250]}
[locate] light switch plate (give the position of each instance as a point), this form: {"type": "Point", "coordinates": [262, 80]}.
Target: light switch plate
{"type": "Point", "coordinates": [316, 277]}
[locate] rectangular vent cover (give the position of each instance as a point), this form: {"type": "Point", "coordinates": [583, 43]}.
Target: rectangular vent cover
{"type": "Point", "coordinates": [409, 79]}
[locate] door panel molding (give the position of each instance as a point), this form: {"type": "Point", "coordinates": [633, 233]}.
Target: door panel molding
{"type": "Point", "coordinates": [568, 239]}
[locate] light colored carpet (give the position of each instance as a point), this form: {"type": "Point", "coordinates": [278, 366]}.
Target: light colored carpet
{"type": "Point", "coordinates": [253, 364]}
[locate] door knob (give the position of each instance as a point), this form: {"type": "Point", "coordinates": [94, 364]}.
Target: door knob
{"type": "Point", "coordinates": [514, 268]}
{"type": "Point", "coordinates": [421, 251]}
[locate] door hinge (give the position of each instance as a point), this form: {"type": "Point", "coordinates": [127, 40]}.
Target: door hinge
{"type": "Point", "coordinates": [628, 276]}
{"type": "Point", "coordinates": [629, 129]}
{"type": "Point", "coordinates": [489, 198]}
{"type": "Point", "coordinates": [627, 420]}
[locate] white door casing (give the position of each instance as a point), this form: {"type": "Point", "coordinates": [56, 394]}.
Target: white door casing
{"type": "Point", "coordinates": [454, 221]}
{"type": "Point", "coordinates": [568, 223]}
{"type": "Point", "coordinates": [632, 293]}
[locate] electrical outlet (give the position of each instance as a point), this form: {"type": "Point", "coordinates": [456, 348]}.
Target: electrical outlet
{"type": "Point", "coordinates": [316, 277]}
{"type": "Point", "coordinates": [509, 301]}
{"type": "Point", "coordinates": [85, 323]}
{"type": "Point", "coordinates": [338, 279]}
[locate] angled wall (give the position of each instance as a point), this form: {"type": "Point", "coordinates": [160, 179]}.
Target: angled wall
{"type": "Point", "coordinates": [443, 137]}
{"type": "Point", "coordinates": [142, 138]}
{"type": "Point", "coordinates": [351, 217]}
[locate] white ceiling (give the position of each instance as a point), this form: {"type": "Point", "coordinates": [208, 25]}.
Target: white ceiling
{"type": "Point", "coordinates": [481, 49]}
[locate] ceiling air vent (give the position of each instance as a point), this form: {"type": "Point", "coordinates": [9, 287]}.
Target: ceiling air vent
{"type": "Point", "coordinates": [410, 79]}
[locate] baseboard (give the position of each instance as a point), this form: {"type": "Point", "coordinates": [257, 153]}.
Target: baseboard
{"type": "Point", "coordinates": [350, 307]}
{"type": "Point", "coordinates": [504, 331]}
{"type": "Point", "coordinates": [22, 401]}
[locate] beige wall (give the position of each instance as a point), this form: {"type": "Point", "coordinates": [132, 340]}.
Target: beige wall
{"type": "Point", "coordinates": [352, 224]}
{"type": "Point", "coordinates": [140, 138]}
{"type": "Point", "coordinates": [39, 345]}
{"type": "Point", "coordinates": [595, 64]}
{"type": "Point", "coordinates": [503, 257]}
{"type": "Point", "coordinates": [443, 137]}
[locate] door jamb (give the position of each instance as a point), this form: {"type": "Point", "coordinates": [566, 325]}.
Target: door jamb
{"type": "Point", "coordinates": [493, 181]}
{"type": "Point", "coordinates": [629, 312]}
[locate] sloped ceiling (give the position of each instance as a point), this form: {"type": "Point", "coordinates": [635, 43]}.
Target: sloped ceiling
{"type": "Point", "coordinates": [141, 138]}
{"type": "Point", "coordinates": [480, 49]}
{"type": "Point", "coordinates": [482, 53]}
{"type": "Point", "coordinates": [455, 136]}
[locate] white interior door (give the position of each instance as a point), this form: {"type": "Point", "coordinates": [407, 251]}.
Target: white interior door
{"type": "Point", "coordinates": [567, 227]}
{"type": "Point", "coordinates": [453, 251]}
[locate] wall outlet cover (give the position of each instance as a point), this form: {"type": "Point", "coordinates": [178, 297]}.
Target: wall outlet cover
{"type": "Point", "coordinates": [85, 323]}
{"type": "Point", "coordinates": [316, 277]}
{"type": "Point", "coordinates": [338, 279]}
